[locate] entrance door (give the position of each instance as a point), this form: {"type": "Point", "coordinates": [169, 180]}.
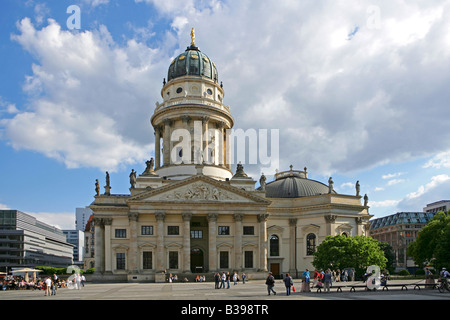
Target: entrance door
{"type": "Point", "coordinates": [197, 261]}
{"type": "Point", "coordinates": [275, 269]}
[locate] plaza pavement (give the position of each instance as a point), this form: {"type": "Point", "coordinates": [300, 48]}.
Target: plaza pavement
{"type": "Point", "coordinates": [252, 290]}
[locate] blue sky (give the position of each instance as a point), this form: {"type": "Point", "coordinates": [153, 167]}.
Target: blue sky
{"type": "Point", "coordinates": [358, 90]}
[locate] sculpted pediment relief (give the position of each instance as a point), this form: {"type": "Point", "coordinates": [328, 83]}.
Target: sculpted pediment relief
{"type": "Point", "coordinates": [199, 189]}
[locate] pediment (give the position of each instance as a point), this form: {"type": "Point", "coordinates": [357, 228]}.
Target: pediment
{"type": "Point", "coordinates": [198, 189]}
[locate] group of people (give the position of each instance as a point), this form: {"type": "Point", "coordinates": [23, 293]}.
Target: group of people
{"type": "Point", "coordinates": [223, 280]}
{"type": "Point", "coordinates": [320, 279]}
{"type": "Point", "coordinates": [49, 284]}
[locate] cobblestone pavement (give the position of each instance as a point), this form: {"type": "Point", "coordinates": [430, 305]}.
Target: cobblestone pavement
{"type": "Point", "coordinates": [253, 290]}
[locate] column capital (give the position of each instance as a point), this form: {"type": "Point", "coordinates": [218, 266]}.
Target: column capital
{"type": "Point", "coordinates": [212, 216]}
{"type": "Point", "coordinates": [331, 218]}
{"type": "Point", "coordinates": [185, 118]}
{"type": "Point", "coordinates": [263, 217]}
{"type": "Point", "coordinates": [133, 216]}
{"type": "Point", "coordinates": [238, 217]}
{"type": "Point", "coordinates": [187, 216]}
{"type": "Point", "coordinates": [292, 221]}
{"type": "Point", "coordinates": [160, 216]}
{"type": "Point", "coordinates": [167, 122]}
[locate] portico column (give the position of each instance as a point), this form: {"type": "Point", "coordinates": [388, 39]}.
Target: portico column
{"type": "Point", "coordinates": [160, 261]}
{"type": "Point", "coordinates": [166, 142]}
{"type": "Point", "coordinates": [187, 242]}
{"type": "Point", "coordinates": [262, 219]}
{"type": "Point", "coordinates": [99, 234]}
{"type": "Point", "coordinates": [157, 148]}
{"type": "Point", "coordinates": [292, 245]}
{"type": "Point", "coordinates": [212, 219]}
{"type": "Point", "coordinates": [238, 241]}
{"type": "Point", "coordinates": [330, 220]}
{"type": "Point", "coordinates": [133, 252]}
{"type": "Point", "coordinates": [107, 244]}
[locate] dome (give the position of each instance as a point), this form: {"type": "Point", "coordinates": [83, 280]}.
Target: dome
{"type": "Point", "coordinates": [294, 187]}
{"type": "Point", "coordinates": [192, 62]}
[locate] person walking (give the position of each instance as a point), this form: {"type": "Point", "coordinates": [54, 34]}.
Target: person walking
{"type": "Point", "coordinates": [235, 278]}
{"type": "Point", "coordinates": [243, 278]}
{"type": "Point", "coordinates": [306, 281]}
{"type": "Point", "coordinates": [48, 286]}
{"type": "Point", "coordinates": [54, 283]}
{"type": "Point", "coordinates": [216, 280]}
{"type": "Point", "coordinates": [270, 282]}
{"type": "Point", "coordinates": [288, 283]}
{"type": "Point", "coordinates": [222, 280]}
{"type": "Point", "coordinates": [228, 280]}
{"type": "Point", "coordinates": [327, 280]}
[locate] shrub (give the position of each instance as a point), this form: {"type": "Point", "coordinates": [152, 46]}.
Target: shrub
{"type": "Point", "coordinates": [403, 272]}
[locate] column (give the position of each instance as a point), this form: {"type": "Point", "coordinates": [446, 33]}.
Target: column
{"type": "Point", "coordinates": [160, 261]}
{"type": "Point", "coordinates": [238, 241]}
{"type": "Point", "coordinates": [212, 219]}
{"type": "Point", "coordinates": [221, 147]}
{"type": "Point", "coordinates": [206, 157]}
{"type": "Point", "coordinates": [228, 159]}
{"type": "Point", "coordinates": [157, 148]}
{"type": "Point", "coordinates": [293, 246]}
{"type": "Point", "coordinates": [166, 142]}
{"type": "Point", "coordinates": [99, 246]}
{"type": "Point", "coordinates": [262, 219]}
{"type": "Point", "coordinates": [186, 120]}
{"type": "Point", "coordinates": [133, 252]}
{"type": "Point", "coordinates": [330, 219]}
{"type": "Point", "coordinates": [187, 242]}
{"type": "Point", "coordinates": [107, 235]}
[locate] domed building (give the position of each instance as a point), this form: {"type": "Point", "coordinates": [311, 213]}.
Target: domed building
{"type": "Point", "coordinates": [188, 213]}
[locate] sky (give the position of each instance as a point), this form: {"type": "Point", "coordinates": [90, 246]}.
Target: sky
{"type": "Point", "coordinates": [359, 90]}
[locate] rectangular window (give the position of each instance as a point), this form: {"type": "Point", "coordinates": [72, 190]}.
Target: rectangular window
{"type": "Point", "coordinates": [147, 260]}
{"type": "Point", "coordinates": [224, 230]}
{"type": "Point", "coordinates": [121, 233]}
{"type": "Point", "coordinates": [223, 259]}
{"type": "Point", "coordinates": [196, 234]}
{"type": "Point", "coordinates": [120, 261]}
{"type": "Point", "coordinates": [249, 230]}
{"type": "Point", "coordinates": [248, 256]}
{"type": "Point", "coordinates": [173, 259]}
{"type": "Point", "coordinates": [173, 230]}
{"type": "Point", "coordinates": [147, 230]}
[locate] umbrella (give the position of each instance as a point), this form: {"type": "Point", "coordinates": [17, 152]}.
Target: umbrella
{"type": "Point", "coordinates": [26, 270]}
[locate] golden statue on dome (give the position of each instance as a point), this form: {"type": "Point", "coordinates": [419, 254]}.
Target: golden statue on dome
{"type": "Point", "coordinates": [193, 37]}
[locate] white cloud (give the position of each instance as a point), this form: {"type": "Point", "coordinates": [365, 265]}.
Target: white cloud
{"type": "Point", "coordinates": [437, 189]}
{"type": "Point", "coordinates": [64, 220]}
{"type": "Point", "coordinates": [395, 181]}
{"type": "Point", "coordinates": [89, 98]}
{"type": "Point", "coordinates": [392, 175]}
{"type": "Point", "coordinates": [440, 160]}
{"type": "Point", "coordinates": [383, 203]}
{"type": "Point", "coordinates": [341, 105]}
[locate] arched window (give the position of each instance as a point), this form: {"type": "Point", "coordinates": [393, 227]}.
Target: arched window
{"type": "Point", "coordinates": [274, 245]}
{"type": "Point", "coordinates": [310, 244]}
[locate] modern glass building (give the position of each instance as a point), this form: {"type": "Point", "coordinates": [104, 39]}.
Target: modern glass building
{"type": "Point", "coordinates": [28, 242]}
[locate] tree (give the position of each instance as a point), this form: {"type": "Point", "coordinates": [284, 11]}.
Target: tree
{"type": "Point", "coordinates": [432, 244]}
{"type": "Point", "coordinates": [339, 252]}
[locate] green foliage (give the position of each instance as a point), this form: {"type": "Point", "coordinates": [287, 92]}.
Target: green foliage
{"type": "Point", "coordinates": [339, 252]}
{"type": "Point", "coordinates": [432, 243]}
{"type": "Point", "coordinates": [403, 272]}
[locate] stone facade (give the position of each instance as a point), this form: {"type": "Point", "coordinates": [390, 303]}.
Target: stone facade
{"type": "Point", "coordinates": [188, 214]}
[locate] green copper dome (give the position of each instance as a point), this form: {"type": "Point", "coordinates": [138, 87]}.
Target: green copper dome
{"type": "Point", "coordinates": [192, 62]}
